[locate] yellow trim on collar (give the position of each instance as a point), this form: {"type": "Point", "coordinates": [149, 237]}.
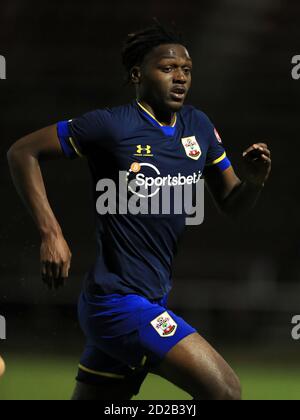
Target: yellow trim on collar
{"type": "Point", "coordinates": [152, 116]}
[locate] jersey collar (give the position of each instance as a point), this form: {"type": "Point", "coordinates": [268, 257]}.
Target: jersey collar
{"type": "Point", "coordinates": [168, 130]}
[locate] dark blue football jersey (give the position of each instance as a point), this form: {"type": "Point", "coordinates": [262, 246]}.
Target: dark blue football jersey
{"type": "Point", "coordinates": [135, 253]}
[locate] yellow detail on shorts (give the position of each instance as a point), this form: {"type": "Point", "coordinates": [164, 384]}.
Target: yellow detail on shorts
{"type": "Point", "coordinates": [144, 361]}
{"type": "Point", "coordinates": [105, 374]}
{"type": "Point", "coordinates": [75, 147]}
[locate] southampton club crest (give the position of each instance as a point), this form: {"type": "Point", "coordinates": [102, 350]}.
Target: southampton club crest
{"type": "Point", "coordinates": [164, 325]}
{"type": "Point", "coordinates": [192, 148]}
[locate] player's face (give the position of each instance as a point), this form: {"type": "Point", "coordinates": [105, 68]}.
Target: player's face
{"type": "Point", "coordinates": [166, 77]}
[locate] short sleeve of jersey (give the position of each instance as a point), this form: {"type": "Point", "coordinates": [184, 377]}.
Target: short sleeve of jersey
{"type": "Point", "coordinates": [84, 135]}
{"type": "Point", "coordinates": [216, 155]}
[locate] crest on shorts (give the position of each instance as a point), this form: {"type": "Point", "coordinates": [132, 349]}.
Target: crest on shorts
{"type": "Point", "coordinates": [192, 148]}
{"type": "Point", "coordinates": [164, 325]}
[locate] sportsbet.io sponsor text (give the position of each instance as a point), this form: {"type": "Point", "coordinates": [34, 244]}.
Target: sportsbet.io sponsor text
{"type": "Point", "coordinates": [140, 193]}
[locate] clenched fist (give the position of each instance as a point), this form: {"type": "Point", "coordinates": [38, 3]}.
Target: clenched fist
{"type": "Point", "coordinates": [55, 260]}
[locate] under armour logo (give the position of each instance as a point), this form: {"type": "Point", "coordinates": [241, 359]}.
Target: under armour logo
{"type": "Point", "coordinates": [144, 150]}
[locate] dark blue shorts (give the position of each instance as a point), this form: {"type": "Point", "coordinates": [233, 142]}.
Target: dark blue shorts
{"type": "Point", "coordinates": [126, 337]}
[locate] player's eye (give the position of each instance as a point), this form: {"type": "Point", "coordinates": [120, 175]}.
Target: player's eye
{"type": "Point", "coordinates": [187, 70]}
{"type": "Point", "coordinates": [167, 69]}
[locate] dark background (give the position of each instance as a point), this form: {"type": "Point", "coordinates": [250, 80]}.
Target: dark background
{"type": "Point", "coordinates": [239, 285]}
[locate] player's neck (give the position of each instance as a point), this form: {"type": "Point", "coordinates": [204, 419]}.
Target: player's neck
{"type": "Point", "coordinates": [163, 117]}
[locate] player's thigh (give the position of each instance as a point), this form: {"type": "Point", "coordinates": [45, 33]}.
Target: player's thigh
{"type": "Point", "coordinates": [195, 367]}
{"type": "Point", "coordinates": [103, 377]}
{"type": "Point", "coordinates": [113, 390]}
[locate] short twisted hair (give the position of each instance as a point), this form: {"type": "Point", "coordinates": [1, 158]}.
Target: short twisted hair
{"type": "Point", "coordinates": [141, 43]}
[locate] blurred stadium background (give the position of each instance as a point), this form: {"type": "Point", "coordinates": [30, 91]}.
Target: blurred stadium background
{"type": "Point", "coordinates": [239, 285]}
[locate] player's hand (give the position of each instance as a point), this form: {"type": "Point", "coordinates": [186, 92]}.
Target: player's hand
{"type": "Point", "coordinates": [2, 366]}
{"type": "Point", "coordinates": [258, 164]}
{"type": "Point", "coordinates": [55, 261]}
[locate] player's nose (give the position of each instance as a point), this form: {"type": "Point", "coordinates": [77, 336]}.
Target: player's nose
{"type": "Point", "coordinates": [180, 77]}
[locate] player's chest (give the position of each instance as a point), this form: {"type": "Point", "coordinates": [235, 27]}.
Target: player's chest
{"type": "Point", "coordinates": [185, 151]}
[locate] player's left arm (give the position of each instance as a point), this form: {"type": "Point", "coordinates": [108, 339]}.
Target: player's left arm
{"type": "Point", "coordinates": [234, 197]}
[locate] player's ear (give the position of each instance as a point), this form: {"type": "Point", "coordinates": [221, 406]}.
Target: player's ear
{"type": "Point", "coordinates": [135, 75]}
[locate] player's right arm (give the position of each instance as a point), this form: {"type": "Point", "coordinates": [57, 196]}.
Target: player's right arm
{"type": "Point", "coordinates": [24, 159]}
